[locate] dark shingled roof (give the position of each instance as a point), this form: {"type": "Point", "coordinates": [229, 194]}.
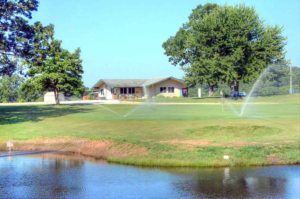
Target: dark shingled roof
{"type": "Point", "coordinates": [133, 82]}
{"type": "Point", "coordinates": [124, 82]}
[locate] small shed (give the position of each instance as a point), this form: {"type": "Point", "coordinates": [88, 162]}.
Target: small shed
{"type": "Point", "coordinates": [50, 98]}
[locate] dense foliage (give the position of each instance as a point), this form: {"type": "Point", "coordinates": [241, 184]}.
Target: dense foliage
{"type": "Point", "coordinates": [30, 92]}
{"type": "Point", "coordinates": [9, 86]}
{"type": "Point", "coordinates": [224, 44]}
{"type": "Point", "coordinates": [32, 49]}
{"type": "Point", "coordinates": [16, 34]}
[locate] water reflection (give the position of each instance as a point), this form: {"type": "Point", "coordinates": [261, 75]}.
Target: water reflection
{"type": "Point", "coordinates": [270, 182]}
{"type": "Point", "coordinates": [23, 177]}
{"type": "Point", "coordinates": [62, 177]}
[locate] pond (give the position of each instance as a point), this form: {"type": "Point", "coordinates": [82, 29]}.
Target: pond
{"type": "Point", "coordinates": [60, 176]}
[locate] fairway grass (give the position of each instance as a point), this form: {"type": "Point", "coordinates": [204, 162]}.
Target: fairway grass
{"type": "Point", "coordinates": [148, 134]}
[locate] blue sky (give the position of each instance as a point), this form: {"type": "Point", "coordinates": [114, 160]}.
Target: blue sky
{"type": "Point", "coordinates": [122, 39]}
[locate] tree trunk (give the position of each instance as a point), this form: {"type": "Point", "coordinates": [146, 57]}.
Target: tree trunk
{"type": "Point", "coordinates": [210, 91]}
{"type": "Point", "coordinates": [235, 89]}
{"type": "Point", "coordinates": [236, 86]}
{"type": "Point", "coordinates": [56, 96]}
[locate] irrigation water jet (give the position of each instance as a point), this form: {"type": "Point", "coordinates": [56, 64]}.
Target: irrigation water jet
{"type": "Point", "coordinates": [253, 89]}
{"type": "Point", "coordinates": [148, 101]}
{"type": "Point", "coordinates": [110, 110]}
{"type": "Point", "coordinates": [246, 102]}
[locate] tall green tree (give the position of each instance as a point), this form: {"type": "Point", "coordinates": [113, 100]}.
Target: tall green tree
{"type": "Point", "coordinates": [16, 34]}
{"type": "Point", "coordinates": [226, 44]}
{"type": "Point", "coordinates": [54, 68]}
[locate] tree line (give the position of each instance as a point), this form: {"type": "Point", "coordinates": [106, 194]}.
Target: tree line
{"type": "Point", "coordinates": [32, 60]}
{"type": "Point", "coordinates": [276, 81]}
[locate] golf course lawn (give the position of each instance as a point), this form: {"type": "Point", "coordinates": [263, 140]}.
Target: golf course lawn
{"type": "Point", "coordinates": [150, 134]}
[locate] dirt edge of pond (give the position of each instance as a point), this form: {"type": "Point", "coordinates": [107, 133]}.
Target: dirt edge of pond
{"type": "Point", "coordinates": [131, 154]}
{"type": "Point", "coordinates": [100, 149]}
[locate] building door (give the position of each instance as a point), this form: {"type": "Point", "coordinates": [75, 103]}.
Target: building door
{"type": "Point", "coordinates": [185, 92]}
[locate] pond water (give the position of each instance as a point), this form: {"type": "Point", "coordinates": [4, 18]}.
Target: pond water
{"type": "Point", "coordinates": [56, 176]}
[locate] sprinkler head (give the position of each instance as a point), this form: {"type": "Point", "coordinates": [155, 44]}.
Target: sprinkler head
{"type": "Point", "coordinates": [9, 145]}
{"type": "Point", "coordinates": [226, 157]}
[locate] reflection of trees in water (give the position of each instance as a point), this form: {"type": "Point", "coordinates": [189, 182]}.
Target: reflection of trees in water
{"type": "Point", "coordinates": [59, 165]}
{"type": "Point", "coordinates": [233, 183]}
{"type": "Point", "coordinates": [61, 178]}
{"type": "Point", "coordinates": [41, 178]}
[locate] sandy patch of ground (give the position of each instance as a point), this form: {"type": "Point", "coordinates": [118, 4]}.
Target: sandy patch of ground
{"type": "Point", "coordinates": [94, 148]}
{"type": "Point", "coordinates": [189, 142]}
{"type": "Point", "coordinates": [207, 143]}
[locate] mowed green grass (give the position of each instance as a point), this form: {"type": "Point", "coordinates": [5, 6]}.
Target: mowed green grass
{"type": "Point", "coordinates": [174, 134]}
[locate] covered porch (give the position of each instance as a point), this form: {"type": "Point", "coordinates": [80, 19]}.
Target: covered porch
{"type": "Point", "coordinates": [126, 93]}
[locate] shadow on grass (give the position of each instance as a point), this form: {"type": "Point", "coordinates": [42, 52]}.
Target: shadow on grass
{"type": "Point", "coordinates": [16, 114]}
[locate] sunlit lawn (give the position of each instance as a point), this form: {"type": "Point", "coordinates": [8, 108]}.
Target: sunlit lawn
{"type": "Point", "coordinates": [174, 135]}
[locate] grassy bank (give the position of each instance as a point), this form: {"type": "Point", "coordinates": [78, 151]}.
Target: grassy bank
{"type": "Point", "coordinates": [165, 135]}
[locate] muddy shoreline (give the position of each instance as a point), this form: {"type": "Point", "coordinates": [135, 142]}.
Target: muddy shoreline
{"type": "Point", "coordinates": [98, 149]}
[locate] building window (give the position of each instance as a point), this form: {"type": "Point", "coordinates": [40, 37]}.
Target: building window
{"type": "Point", "coordinates": [131, 90]}
{"type": "Point", "coordinates": [123, 90]}
{"type": "Point", "coordinates": [163, 89]}
{"type": "Point", "coordinates": [171, 89]}
{"type": "Point", "coordinates": [101, 92]}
